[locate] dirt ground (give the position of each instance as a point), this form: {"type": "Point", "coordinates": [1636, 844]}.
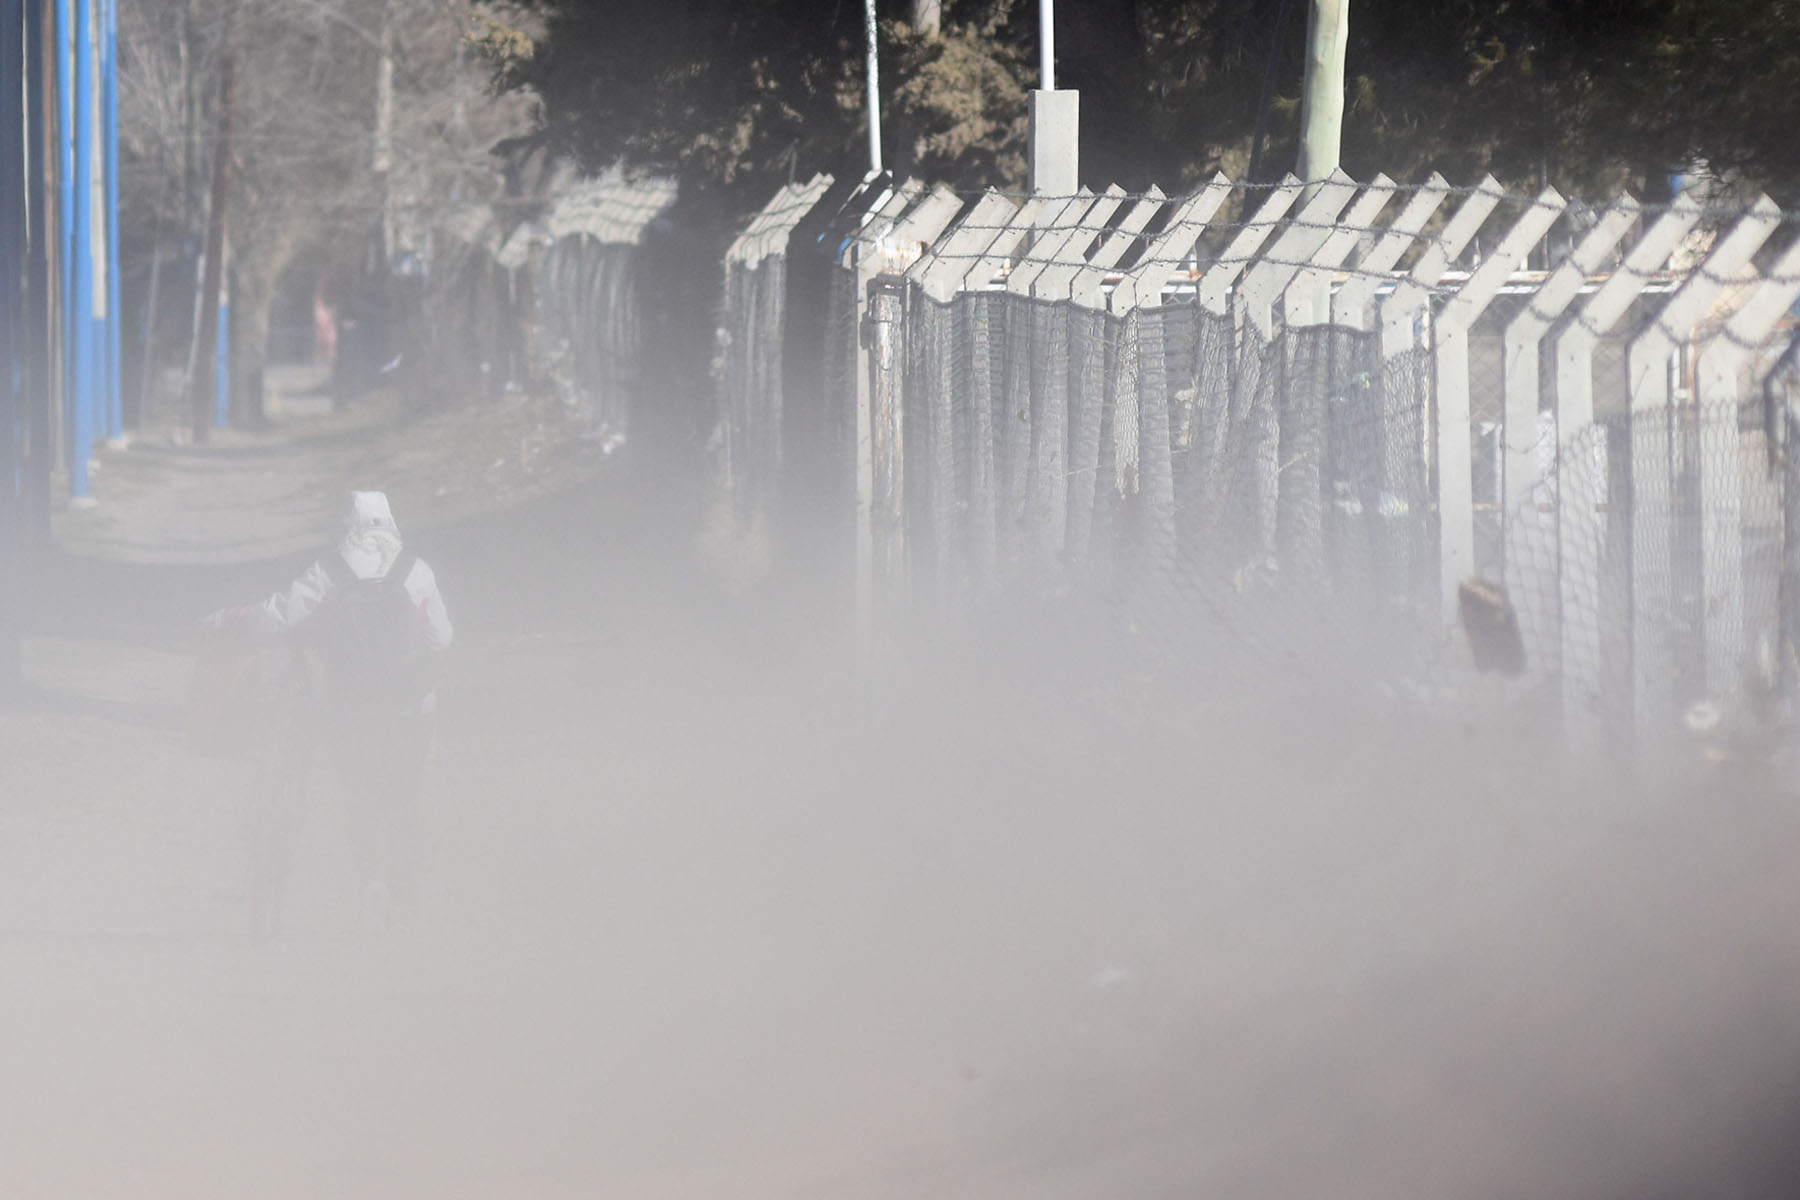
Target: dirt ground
{"type": "Point", "coordinates": [712, 909]}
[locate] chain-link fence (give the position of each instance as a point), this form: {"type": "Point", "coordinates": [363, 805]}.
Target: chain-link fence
{"type": "Point", "coordinates": [563, 302]}
{"type": "Point", "coordinates": [1653, 575]}
{"type": "Point", "coordinates": [1344, 423]}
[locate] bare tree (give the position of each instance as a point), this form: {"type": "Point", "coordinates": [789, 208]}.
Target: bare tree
{"type": "Point", "coordinates": [355, 123]}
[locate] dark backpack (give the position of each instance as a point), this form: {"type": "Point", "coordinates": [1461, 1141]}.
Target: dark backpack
{"type": "Point", "coordinates": [371, 639]}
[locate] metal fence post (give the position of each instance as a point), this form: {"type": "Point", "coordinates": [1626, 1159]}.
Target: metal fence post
{"type": "Point", "coordinates": [14, 189]}
{"type": "Point", "coordinates": [888, 310]}
{"type": "Point", "coordinates": [885, 334]}
{"type": "Point", "coordinates": [865, 261]}
{"type": "Point", "coordinates": [1354, 303]}
{"type": "Point", "coordinates": [1306, 300]}
{"type": "Point", "coordinates": [82, 340]}
{"type": "Point", "coordinates": [114, 301]}
{"type": "Point", "coordinates": [66, 186]}
{"type": "Point", "coordinates": [1719, 373]}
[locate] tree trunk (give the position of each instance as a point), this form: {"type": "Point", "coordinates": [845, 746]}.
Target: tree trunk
{"type": "Point", "coordinates": [205, 377]}
{"type": "Point", "coordinates": [1322, 105]}
{"type": "Point", "coordinates": [253, 285]}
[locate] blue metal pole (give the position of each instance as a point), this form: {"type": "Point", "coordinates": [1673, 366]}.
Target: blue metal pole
{"type": "Point", "coordinates": [65, 192]}
{"type": "Point", "coordinates": [81, 431]}
{"type": "Point", "coordinates": [40, 122]}
{"type": "Point", "coordinates": [14, 187]}
{"type": "Point", "coordinates": [115, 298]}
{"type": "Point", "coordinates": [93, 229]}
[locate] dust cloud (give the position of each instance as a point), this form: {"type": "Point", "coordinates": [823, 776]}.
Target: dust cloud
{"type": "Point", "coordinates": [1036, 907]}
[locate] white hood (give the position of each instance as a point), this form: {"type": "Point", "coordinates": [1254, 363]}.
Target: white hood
{"type": "Point", "coordinates": [371, 540]}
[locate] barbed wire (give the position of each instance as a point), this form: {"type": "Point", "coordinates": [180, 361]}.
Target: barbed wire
{"type": "Point", "coordinates": [1662, 279]}
{"type": "Point", "coordinates": [1253, 222]}
{"type": "Point", "coordinates": [1577, 206]}
{"type": "Point", "coordinates": [1078, 240]}
{"type": "Point", "coordinates": [1179, 276]}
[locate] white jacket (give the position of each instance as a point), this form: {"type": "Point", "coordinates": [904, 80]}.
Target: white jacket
{"type": "Point", "coordinates": [370, 546]}
{"type": "Point", "coordinates": [286, 609]}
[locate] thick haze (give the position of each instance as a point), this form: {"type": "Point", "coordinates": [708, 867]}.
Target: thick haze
{"type": "Point", "coordinates": [1080, 897]}
{"type": "Point", "coordinates": [710, 910]}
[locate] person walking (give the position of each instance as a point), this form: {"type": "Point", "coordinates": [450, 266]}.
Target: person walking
{"type": "Point", "coordinates": [369, 619]}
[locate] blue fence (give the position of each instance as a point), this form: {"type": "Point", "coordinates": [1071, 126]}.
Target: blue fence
{"type": "Point", "coordinates": [59, 270]}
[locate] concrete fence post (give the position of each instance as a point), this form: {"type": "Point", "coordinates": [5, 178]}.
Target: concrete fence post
{"type": "Point", "coordinates": [1315, 454]}
{"type": "Point", "coordinates": [1141, 412]}
{"type": "Point", "coordinates": [1724, 631]}
{"type": "Point", "coordinates": [1046, 506]}
{"type": "Point", "coordinates": [1306, 300]}
{"type": "Point", "coordinates": [865, 259]}
{"type": "Point", "coordinates": [1404, 426]}
{"type": "Point", "coordinates": [964, 546]}
{"type": "Point", "coordinates": [1354, 304]}
{"type": "Point", "coordinates": [1531, 581]}
{"type": "Point", "coordinates": [1401, 310]}
{"type": "Point", "coordinates": [885, 335]}
{"type": "Point", "coordinates": [1655, 478]}
{"type": "Point", "coordinates": [1294, 251]}
{"type": "Point", "coordinates": [1083, 282]}
{"type": "Point", "coordinates": [1450, 364]}
{"type": "Point", "coordinates": [1582, 487]}
{"type": "Point", "coordinates": [1222, 273]}
{"type": "Point", "coordinates": [1141, 288]}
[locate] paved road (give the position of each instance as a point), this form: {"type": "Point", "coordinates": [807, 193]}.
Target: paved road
{"type": "Point", "coordinates": [708, 913]}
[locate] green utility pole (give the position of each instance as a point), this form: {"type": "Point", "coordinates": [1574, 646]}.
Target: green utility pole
{"type": "Point", "coordinates": [1322, 104]}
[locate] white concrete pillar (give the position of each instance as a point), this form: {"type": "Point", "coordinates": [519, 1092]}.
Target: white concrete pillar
{"type": "Point", "coordinates": [1055, 142]}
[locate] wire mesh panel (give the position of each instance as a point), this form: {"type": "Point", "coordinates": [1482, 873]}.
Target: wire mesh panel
{"type": "Point", "coordinates": [1781, 426]}
{"type": "Point", "coordinates": [1354, 481]}
{"type": "Point", "coordinates": [1088, 342]}
{"type": "Point", "coordinates": [1204, 429]}
{"type": "Point", "coordinates": [1488, 436]}
{"type": "Point", "coordinates": [761, 432]}
{"type": "Point", "coordinates": [1639, 637]}
{"type": "Point", "coordinates": [812, 538]}
{"type": "Point", "coordinates": [1302, 404]}
{"type": "Point", "coordinates": [1405, 553]}
{"type": "Point", "coordinates": [977, 369]}
{"type": "Point", "coordinates": [568, 316]}
{"type": "Point", "coordinates": [588, 318]}
{"type": "Point", "coordinates": [1012, 431]}
{"type": "Point", "coordinates": [1153, 530]}
{"type": "Point", "coordinates": [735, 335]}
{"type": "Point", "coordinates": [751, 384]}
{"type": "Point", "coordinates": [933, 483]}
{"type": "Point", "coordinates": [1047, 482]}
{"type": "Point", "coordinates": [838, 417]}
{"type": "Point", "coordinates": [1586, 591]}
